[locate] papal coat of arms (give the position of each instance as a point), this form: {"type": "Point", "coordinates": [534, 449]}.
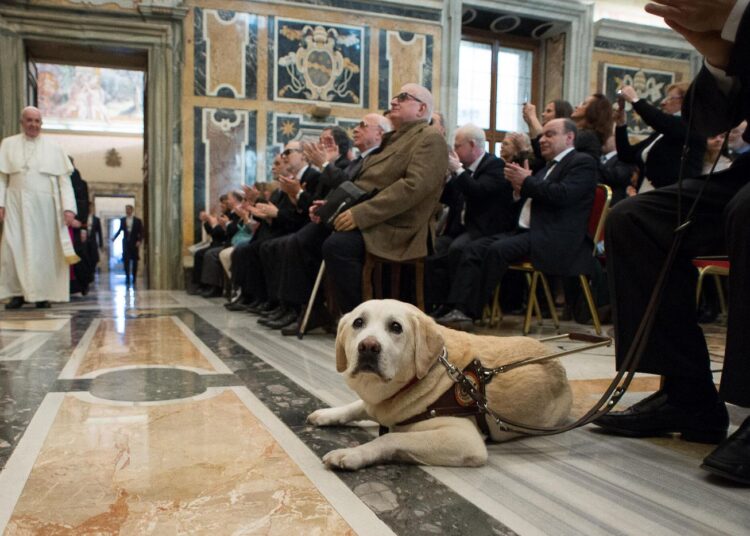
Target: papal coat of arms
{"type": "Point", "coordinates": [317, 69]}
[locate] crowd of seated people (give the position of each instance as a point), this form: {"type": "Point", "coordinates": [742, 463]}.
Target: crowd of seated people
{"type": "Point", "coordinates": [530, 204]}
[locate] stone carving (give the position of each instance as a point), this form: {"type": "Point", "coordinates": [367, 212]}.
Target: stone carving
{"type": "Point", "coordinates": [319, 63]}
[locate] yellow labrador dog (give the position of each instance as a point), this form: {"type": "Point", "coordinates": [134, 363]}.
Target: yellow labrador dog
{"type": "Point", "coordinates": [388, 352]}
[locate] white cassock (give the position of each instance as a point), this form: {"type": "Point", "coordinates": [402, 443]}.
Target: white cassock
{"type": "Point", "coordinates": [35, 190]}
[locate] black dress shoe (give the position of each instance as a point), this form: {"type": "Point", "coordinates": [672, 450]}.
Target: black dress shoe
{"type": "Point", "coordinates": [44, 304]}
{"type": "Point", "coordinates": [456, 319]}
{"type": "Point", "coordinates": [657, 416]}
{"type": "Point", "coordinates": [319, 318]}
{"type": "Point", "coordinates": [235, 306]}
{"type": "Point", "coordinates": [731, 459]}
{"type": "Point", "coordinates": [16, 302]}
{"type": "Point", "coordinates": [273, 315]}
{"type": "Point", "coordinates": [441, 311]}
{"type": "Point", "coordinates": [277, 313]}
{"type": "Point", "coordinates": [289, 319]}
{"type": "Point", "coordinates": [212, 292]}
{"type": "Point", "coordinates": [256, 308]}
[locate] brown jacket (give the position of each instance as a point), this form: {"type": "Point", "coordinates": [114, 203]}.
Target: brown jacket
{"type": "Point", "coordinates": [408, 172]}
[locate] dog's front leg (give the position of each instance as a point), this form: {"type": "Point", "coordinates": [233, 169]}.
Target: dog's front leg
{"type": "Point", "coordinates": [339, 415]}
{"type": "Point", "coordinates": [456, 444]}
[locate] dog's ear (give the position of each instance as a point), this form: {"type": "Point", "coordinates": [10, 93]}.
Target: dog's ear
{"type": "Point", "coordinates": [342, 333]}
{"type": "Point", "coordinates": [428, 343]}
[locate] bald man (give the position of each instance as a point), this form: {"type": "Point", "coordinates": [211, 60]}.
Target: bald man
{"type": "Point", "coordinates": [37, 203]}
{"type": "Point", "coordinates": [408, 172]}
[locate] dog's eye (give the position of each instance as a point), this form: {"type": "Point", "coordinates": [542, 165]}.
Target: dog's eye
{"type": "Point", "coordinates": [396, 328]}
{"type": "Point", "coordinates": [358, 323]}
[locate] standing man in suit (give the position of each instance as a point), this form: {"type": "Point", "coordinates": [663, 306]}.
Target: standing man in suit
{"type": "Point", "coordinates": [94, 237]}
{"type": "Point", "coordinates": [132, 230]}
{"type": "Point", "coordinates": [614, 173]}
{"type": "Point", "coordinates": [489, 209]}
{"type": "Point", "coordinates": [640, 233]}
{"type": "Point", "coordinates": [551, 229]}
{"type": "Point", "coordinates": [408, 172]}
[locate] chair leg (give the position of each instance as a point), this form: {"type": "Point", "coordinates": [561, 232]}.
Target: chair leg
{"type": "Point", "coordinates": [720, 292]}
{"type": "Point", "coordinates": [419, 281]}
{"type": "Point", "coordinates": [699, 286]}
{"type": "Point", "coordinates": [367, 277]}
{"type": "Point", "coordinates": [395, 280]}
{"type": "Point", "coordinates": [496, 313]}
{"type": "Point", "coordinates": [550, 301]}
{"type": "Point", "coordinates": [532, 302]}
{"type": "Point", "coordinates": [590, 301]}
{"type": "Point", "coordinates": [311, 301]}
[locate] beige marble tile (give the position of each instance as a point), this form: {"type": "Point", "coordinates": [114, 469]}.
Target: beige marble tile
{"type": "Point", "coordinates": [143, 341]}
{"type": "Point", "coordinates": [198, 467]}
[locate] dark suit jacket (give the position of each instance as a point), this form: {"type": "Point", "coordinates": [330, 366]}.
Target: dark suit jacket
{"type": "Point", "coordinates": [662, 166]}
{"type": "Point", "coordinates": [95, 232]}
{"type": "Point", "coordinates": [293, 216]}
{"type": "Point", "coordinates": [327, 180]}
{"type": "Point", "coordinates": [560, 211]}
{"type": "Point", "coordinates": [714, 112]}
{"type": "Point", "coordinates": [587, 141]}
{"type": "Point", "coordinates": [408, 171]}
{"type": "Point", "coordinates": [488, 197]}
{"type": "Point", "coordinates": [616, 175]}
{"type": "Point", "coordinates": [130, 237]}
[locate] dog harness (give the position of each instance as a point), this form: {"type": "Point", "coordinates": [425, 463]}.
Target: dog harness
{"type": "Point", "coordinates": [457, 400]}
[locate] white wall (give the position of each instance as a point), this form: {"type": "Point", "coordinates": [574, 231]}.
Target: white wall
{"type": "Point", "coordinates": [89, 152]}
{"type": "Point", "coordinates": [625, 10]}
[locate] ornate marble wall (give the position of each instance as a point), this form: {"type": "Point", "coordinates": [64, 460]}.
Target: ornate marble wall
{"type": "Point", "coordinates": [255, 72]}
{"type": "Point", "coordinates": [633, 55]}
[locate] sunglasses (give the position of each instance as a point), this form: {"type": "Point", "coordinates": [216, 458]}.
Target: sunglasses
{"type": "Point", "coordinates": [401, 97]}
{"type": "Point", "coordinates": [287, 152]}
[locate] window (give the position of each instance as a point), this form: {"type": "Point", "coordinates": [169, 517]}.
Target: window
{"type": "Point", "coordinates": [494, 82]}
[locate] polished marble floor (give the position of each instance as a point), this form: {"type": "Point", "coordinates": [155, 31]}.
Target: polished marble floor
{"type": "Point", "coordinates": [151, 412]}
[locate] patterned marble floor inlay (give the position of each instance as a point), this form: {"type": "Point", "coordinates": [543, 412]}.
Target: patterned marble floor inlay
{"type": "Point", "coordinates": [155, 412]}
{"type": "Point", "coordinates": [141, 342]}
{"type": "Point", "coordinates": [192, 467]}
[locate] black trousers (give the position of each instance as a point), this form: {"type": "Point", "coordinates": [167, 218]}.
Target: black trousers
{"type": "Point", "coordinates": [212, 273]}
{"type": "Point", "coordinates": [477, 274]}
{"type": "Point", "coordinates": [638, 236]}
{"type": "Point", "coordinates": [272, 253]}
{"type": "Point", "coordinates": [441, 268]}
{"type": "Point", "coordinates": [130, 260]}
{"type": "Point", "coordinates": [344, 254]}
{"type": "Point", "coordinates": [301, 263]}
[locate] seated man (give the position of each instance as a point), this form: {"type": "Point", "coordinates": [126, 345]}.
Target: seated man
{"type": "Point", "coordinates": [551, 229]}
{"type": "Point", "coordinates": [211, 275]}
{"type": "Point", "coordinates": [408, 173]}
{"type": "Point", "coordinates": [302, 255]}
{"type": "Point", "coordinates": [488, 209]}
{"type": "Point", "coordinates": [639, 235]}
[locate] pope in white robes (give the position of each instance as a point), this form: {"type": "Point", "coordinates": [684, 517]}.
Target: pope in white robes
{"type": "Point", "coordinates": [37, 204]}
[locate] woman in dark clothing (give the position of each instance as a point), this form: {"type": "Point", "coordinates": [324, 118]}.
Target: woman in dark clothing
{"type": "Point", "coordinates": [658, 157]}
{"type": "Point", "coordinates": [594, 120]}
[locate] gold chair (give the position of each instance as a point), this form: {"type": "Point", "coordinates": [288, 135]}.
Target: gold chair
{"type": "Point", "coordinates": [717, 267]}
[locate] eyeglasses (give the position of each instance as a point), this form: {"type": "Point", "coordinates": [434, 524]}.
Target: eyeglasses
{"type": "Point", "coordinates": [287, 152]}
{"type": "Point", "coordinates": [364, 125]}
{"type": "Point", "coordinates": [401, 97]}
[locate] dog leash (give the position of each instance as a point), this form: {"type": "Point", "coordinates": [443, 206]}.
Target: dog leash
{"type": "Point", "coordinates": [475, 389]}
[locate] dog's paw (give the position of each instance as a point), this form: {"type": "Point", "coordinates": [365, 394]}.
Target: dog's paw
{"type": "Point", "coordinates": [324, 417]}
{"type": "Point", "coordinates": [349, 459]}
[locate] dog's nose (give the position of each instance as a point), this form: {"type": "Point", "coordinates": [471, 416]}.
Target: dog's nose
{"type": "Point", "coordinates": [369, 346]}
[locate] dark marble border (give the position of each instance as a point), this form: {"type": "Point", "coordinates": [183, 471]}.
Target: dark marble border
{"type": "Point", "coordinates": [199, 171]}
{"type": "Point", "coordinates": [640, 48]}
{"type": "Point", "coordinates": [199, 54]}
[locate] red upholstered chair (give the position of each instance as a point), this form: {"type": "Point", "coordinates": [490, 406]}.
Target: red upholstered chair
{"type": "Point", "coordinates": [717, 267]}
{"type": "Point", "coordinates": [597, 217]}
